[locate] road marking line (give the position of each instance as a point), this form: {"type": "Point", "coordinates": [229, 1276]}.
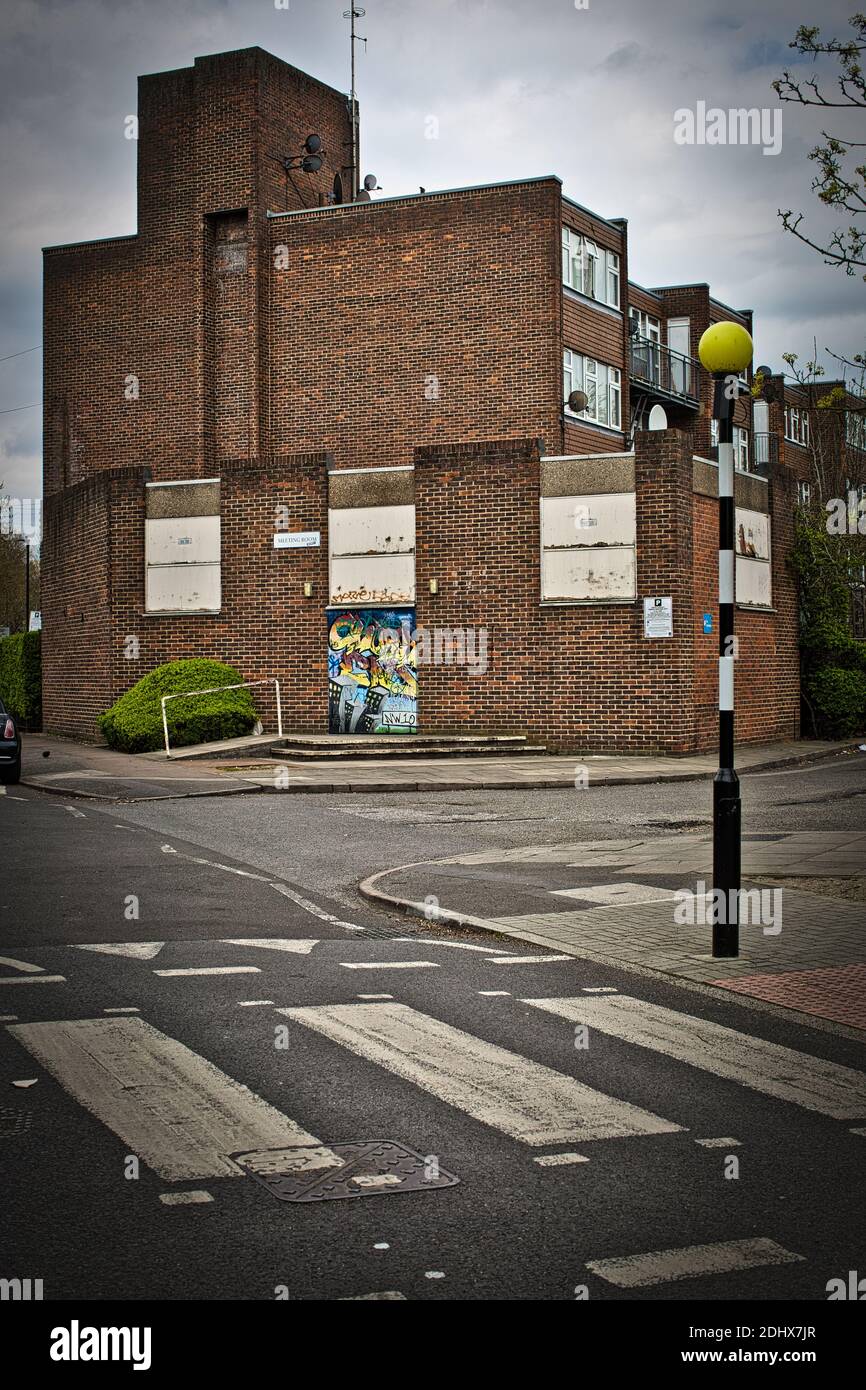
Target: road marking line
{"type": "Point", "coordinates": [375, 996]}
{"type": "Point", "coordinates": [74, 811]}
{"type": "Point", "coordinates": [718, 1143]}
{"type": "Point", "coordinates": [311, 907]}
{"type": "Point", "coordinates": [600, 989]}
{"type": "Point", "coordinates": [136, 950]}
{"type": "Point", "coordinates": [125, 1010]}
{"type": "Point", "coordinates": [213, 970]}
{"type": "Point", "coordinates": [179, 1199]}
{"type": "Point", "coordinates": [20, 965]}
{"type": "Point", "coordinates": [797, 1077]}
{"type": "Point", "coordinates": [512, 1094]}
{"type": "Point", "coordinates": [496, 993]}
{"type": "Point", "coordinates": [32, 980]}
{"type": "Point", "coordinates": [858, 1131]}
{"type": "Point", "coordinates": [690, 1262]}
{"type": "Point", "coordinates": [271, 943]}
{"type": "Point", "coordinates": [435, 941]}
{"type": "Point", "coordinates": [557, 1160]}
{"type": "Point", "coordinates": [8, 1018]}
{"type": "Point", "coordinates": [253, 1003]}
{"type": "Point", "coordinates": [525, 960]}
{"type": "Point", "coordinates": [388, 1295]}
{"type": "Point", "coordinates": [178, 1112]}
{"type": "Point", "coordinates": [2, 791]}
{"type": "Point", "coordinates": [389, 964]}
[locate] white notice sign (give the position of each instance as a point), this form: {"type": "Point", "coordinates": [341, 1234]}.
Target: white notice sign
{"type": "Point", "coordinates": [296, 540]}
{"type": "Point", "coordinates": [658, 617]}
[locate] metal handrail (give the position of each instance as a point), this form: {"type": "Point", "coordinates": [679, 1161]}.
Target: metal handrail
{"type": "Point", "coordinates": [214, 690]}
{"type": "Point", "coordinates": [672, 372]}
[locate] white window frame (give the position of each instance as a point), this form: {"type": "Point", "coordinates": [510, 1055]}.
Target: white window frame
{"type": "Point", "coordinates": [804, 493]}
{"type": "Point", "coordinates": [741, 448]}
{"type": "Point", "coordinates": [578, 374]}
{"type": "Point", "coordinates": [590, 269]}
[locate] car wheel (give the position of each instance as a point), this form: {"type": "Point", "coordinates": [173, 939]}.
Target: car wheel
{"type": "Point", "coordinates": [10, 775]}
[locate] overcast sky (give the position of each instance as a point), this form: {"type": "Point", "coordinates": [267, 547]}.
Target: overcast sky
{"type": "Point", "coordinates": [518, 87]}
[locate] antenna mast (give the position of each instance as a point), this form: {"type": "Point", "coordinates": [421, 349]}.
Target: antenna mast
{"type": "Point", "coordinates": [352, 14]}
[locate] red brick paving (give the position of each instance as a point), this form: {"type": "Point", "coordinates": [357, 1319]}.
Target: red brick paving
{"type": "Point", "coordinates": [837, 993]}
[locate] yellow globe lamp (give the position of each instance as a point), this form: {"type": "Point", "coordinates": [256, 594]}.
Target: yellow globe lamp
{"type": "Point", "coordinates": [725, 348]}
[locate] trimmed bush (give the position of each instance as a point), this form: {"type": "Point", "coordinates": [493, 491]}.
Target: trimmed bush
{"type": "Point", "coordinates": [134, 722]}
{"type": "Point", "coordinates": [838, 696]}
{"type": "Point", "coordinates": [21, 676]}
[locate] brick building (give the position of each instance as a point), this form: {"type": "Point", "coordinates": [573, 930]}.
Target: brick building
{"type": "Point", "coordinates": [313, 437]}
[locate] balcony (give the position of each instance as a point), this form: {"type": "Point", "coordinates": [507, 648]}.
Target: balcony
{"type": "Point", "coordinates": [657, 370]}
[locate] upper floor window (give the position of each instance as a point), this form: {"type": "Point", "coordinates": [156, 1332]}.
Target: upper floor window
{"type": "Point", "coordinates": [855, 429]}
{"type": "Point", "coordinates": [589, 268]}
{"type": "Point", "coordinates": [796, 425]}
{"type": "Point", "coordinates": [741, 448]}
{"type": "Point", "coordinates": [601, 384]}
{"type": "Point", "coordinates": [804, 493]}
{"type": "Point", "coordinates": [647, 326]}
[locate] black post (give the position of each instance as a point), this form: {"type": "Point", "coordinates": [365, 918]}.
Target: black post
{"type": "Point", "coordinates": [27, 586]}
{"type": "Point", "coordinates": [726, 786]}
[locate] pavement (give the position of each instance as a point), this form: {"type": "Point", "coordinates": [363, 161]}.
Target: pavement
{"type": "Point", "coordinates": [641, 903]}
{"type": "Point", "coordinates": [218, 1082]}
{"type": "Point", "coordinates": [64, 767]}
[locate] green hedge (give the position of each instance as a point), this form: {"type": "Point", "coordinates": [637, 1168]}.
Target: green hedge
{"type": "Point", "coordinates": [838, 696]}
{"type": "Point", "coordinates": [21, 676]}
{"type": "Point", "coordinates": [134, 722]}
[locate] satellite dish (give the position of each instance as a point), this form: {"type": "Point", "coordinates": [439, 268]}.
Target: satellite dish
{"type": "Point", "coordinates": [313, 144]}
{"type": "Point", "coordinates": [311, 163]}
{"type": "Point", "coordinates": [578, 401]}
{"type": "Point", "coordinates": [764, 371]}
{"type": "Point", "coordinates": [363, 196]}
{"type": "Point", "coordinates": [658, 419]}
{"type": "Point", "coordinates": [371, 182]}
{"type": "Point", "coordinates": [633, 328]}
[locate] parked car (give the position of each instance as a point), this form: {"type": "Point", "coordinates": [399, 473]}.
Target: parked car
{"type": "Point", "coordinates": [10, 746]}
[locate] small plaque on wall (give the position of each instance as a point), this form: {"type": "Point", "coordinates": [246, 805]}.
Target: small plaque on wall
{"type": "Point", "coordinates": [658, 617]}
{"type": "Point", "coordinates": [296, 540]}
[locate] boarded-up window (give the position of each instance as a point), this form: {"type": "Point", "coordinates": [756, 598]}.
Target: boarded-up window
{"type": "Point", "coordinates": [752, 546]}
{"type": "Point", "coordinates": [588, 547]}
{"type": "Point", "coordinates": [182, 547]}
{"type": "Point", "coordinates": [372, 554]}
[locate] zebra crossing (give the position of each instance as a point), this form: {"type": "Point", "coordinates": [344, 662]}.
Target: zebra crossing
{"type": "Point", "coordinates": [184, 1117]}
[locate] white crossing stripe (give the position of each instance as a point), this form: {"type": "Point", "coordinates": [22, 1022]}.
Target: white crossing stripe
{"type": "Point", "coordinates": [525, 960]}
{"type": "Point", "coordinates": [690, 1262]}
{"type": "Point", "coordinates": [436, 941]}
{"type": "Point", "coordinates": [136, 950]}
{"type": "Point", "coordinates": [32, 980]}
{"type": "Point", "coordinates": [521, 1098]}
{"type": "Point", "coordinates": [812, 1082]}
{"type": "Point", "coordinates": [180, 1114]}
{"type": "Point", "coordinates": [213, 970]}
{"type": "Point", "coordinates": [181, 1199]}
{"type": "Point", "coordinates": [559, 1160]}
{"type": "Point", "coordinates": [718, 1143]}
{"type": "Point", "coordinates": [390, 965]}
{"type": "Point", "coordinates": [22, 965]}
{"type": "Point", "coordinates": [272, 943]}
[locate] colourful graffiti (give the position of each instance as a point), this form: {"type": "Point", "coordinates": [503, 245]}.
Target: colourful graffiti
{"type": "Point", "coordinates": [372, 672]}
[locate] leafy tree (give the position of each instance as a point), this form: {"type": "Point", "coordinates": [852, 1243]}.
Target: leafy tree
{"type": "Point", "coordinates": [840, 182]}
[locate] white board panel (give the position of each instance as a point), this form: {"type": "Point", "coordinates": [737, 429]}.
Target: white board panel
{"type": "Point", "coordinates": [182, 540]}
{"type": "Point", "coordinates": [182, 588]}
{"type": "Point", "coordinates": [752, 534]}
{"type": "Point", "coordinates": [364, 579]}
{"type": "Point", "coordinates": [605, 518]}
{"type": "Point", "coordinates": [607, 572]}
{"type": "Point", "coordinates": [753, 582]}
{"type": "Point", "coordinates": [371, 530]}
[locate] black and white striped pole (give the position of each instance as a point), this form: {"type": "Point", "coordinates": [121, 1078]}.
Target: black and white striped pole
{"type": "Point", "coordinates": [725, 350]}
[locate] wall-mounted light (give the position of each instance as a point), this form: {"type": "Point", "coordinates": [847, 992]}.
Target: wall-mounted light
{"type": "Point", "coordinates": [308, 589]}
{"type": "Point", "coordinates": [434, 586]}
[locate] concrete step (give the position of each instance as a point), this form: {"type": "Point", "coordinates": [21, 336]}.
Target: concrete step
{"type": "Point", "coordinates": [348, 747]}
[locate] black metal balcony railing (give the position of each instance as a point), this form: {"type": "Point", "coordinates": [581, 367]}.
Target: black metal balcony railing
{"type": "Point", "coordinates": [755, 456]}
{"type": "Point", "coordinates": [661, 369]}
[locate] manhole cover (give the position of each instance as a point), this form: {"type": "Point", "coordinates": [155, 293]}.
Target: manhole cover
{"type": "Point", "coordinates": [365, 1168]}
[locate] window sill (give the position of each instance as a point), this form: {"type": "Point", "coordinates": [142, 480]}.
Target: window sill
{"type": "Point", "coordinates": [755, 608]}
{"type": "Point", "coordinates": [580, 298]}
{"type": "Point", "coordinates": [587, 602]}
{"type": "Point", "coordinates": [181, 613]}
{"type": "Point", "coordinates": [571, 419]}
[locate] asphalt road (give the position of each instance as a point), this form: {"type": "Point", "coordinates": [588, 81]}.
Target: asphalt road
{"type": "Point", "coordinates": [129, 1108]}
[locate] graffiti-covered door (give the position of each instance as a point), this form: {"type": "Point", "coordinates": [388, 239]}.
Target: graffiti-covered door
{"type": "Point", "coordinates": [372, 671]}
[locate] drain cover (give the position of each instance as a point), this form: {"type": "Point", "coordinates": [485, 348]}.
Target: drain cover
{"type": "Point", "coordinates": [366, 1168]}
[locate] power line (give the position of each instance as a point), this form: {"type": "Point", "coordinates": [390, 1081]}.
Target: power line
{"type": "Point", "coordinates": [37, 348]}
{"type": "Point", "coordinates": [31, 406]}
